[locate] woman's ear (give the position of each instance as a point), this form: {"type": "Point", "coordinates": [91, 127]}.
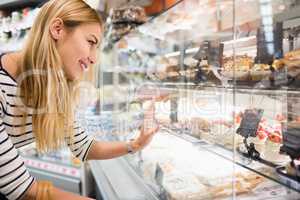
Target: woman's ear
{"type": "Point", "coordinates": [57, 29]}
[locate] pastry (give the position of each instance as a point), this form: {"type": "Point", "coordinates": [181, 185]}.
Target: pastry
{"type": "Point", "coordinates": [199, 126]}
{"type": "Point", "coordinates": [132, 14]}
{"type": "Point", "coordinates": [189, 73]}
{"type": "Point", "coordinates": [243, 184]}
{"type": "Point", "coordinates": [260, 71]}
{"type": "Point", "coordinates": [121, 29]}
{"type": "Point", "coordinates": [273, 144]}
{"type": "Point", "coordinates": [222, 132]}
{"type": "Point", "coordinates": [167, 69]}
{"type": "Point", "coordinates": [261, 138]}
{"type": "Point", "coordinates": [172, 73]}
{"type": "Point", "coordinates": [272, 153]}
{"type": "Point", "coordinates": [242, 63]}
{"type": "Point", "coordinates": [183, 186]}
{"type": "Point", "coordinates": [240, 69]}
{"type": "Point", "coordinates": [278, 64]}
{"type": "Point", "coordinates": [120, 22]}
{"type": "Point", "coordinates": [292, 55]}
{"type": "Point", "coordinates": [292, 62]}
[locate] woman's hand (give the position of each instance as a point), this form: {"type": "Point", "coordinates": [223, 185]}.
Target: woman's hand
{"type": "Point", "coordinates": [148, 129]}
{"type": "Point", "coordinates": [146, 93]}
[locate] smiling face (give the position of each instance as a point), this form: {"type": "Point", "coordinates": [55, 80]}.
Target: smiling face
{"type": "Point", "coordinates": [76, 46]}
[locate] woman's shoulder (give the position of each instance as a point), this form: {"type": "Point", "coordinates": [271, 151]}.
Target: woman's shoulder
{"type": "Point", "coordinates": [6, 79]}
{"type": "Point", "coordinates": [9, 64]}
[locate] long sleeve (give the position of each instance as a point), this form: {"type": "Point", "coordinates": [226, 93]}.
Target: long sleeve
{"type": "Point", "coordinates": [81, 144]}
{"type": "Point", "coordinates": [15, 180]}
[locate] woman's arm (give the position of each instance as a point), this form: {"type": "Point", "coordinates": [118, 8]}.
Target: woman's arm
{"type": "Point", "coordinates": [107, 150]}
{"type": "Point", "coordinates": [57, 194]}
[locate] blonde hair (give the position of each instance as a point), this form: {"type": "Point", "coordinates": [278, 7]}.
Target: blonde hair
{"type": "Point", "coordinates": [50, 94]}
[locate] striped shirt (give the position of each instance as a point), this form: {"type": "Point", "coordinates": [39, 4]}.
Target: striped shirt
{"type": "Point", "coordinates": [15, 180]}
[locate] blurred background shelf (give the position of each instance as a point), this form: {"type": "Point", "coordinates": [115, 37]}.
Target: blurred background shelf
{"type": "Point", "coordinates": [16, 4]}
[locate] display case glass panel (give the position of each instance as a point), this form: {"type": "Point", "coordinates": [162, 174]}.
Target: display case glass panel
{"type": "Point", "coordinates": [229, 127]}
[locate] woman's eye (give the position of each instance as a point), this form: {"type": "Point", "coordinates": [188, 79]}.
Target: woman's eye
{"type": "Point", "coordinates": [91, 42]}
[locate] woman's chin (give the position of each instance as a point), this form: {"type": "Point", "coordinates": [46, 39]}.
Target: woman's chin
{"type": "Point", "coordinates": [75, 77]}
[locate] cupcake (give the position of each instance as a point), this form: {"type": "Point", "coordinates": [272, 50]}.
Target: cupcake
{"type": "Point", "coordinates": [272, 148]}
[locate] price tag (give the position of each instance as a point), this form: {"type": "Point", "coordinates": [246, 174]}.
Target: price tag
{"type": "Point", "coordinates": [250, 122]}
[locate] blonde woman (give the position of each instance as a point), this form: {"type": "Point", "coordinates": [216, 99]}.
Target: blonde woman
{"type": "Point", "coordinates": [36, 97]}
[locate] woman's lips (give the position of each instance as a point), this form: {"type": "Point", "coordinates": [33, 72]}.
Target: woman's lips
{"type": "Point", "coordinates": [83, 66]}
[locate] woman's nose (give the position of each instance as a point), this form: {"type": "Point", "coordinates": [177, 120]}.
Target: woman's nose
{"type": "Point", "coordinates": [91, 60]}
{"type": "Point", "coordinates": [93, 57]}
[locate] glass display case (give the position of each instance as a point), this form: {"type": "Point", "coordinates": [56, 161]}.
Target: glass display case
{"type": "Point", "coordinates": [230, 127]}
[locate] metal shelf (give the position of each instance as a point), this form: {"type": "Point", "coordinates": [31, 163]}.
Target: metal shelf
{"type": "Point", "coordinates": [228, 88]}
{"type": "Point", "coordinates": [17, 4]}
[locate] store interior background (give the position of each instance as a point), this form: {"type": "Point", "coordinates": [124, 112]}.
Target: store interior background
{"type": "Point", "coordinates": [230, 128]}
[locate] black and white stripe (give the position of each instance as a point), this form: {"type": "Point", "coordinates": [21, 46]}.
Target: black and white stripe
{"type": "Point", "coordinates": [15, 132]}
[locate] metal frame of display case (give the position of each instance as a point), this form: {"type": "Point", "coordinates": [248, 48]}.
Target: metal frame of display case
{"type": "Point", "coordinates": [115, 178]}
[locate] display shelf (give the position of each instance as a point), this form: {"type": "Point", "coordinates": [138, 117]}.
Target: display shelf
{"type": "Point", "coordinates": [240, 89]}
{"type": "Point", "coordinates": [125, 69]}
{"type": "Point", "coordinates": [17, 4]}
